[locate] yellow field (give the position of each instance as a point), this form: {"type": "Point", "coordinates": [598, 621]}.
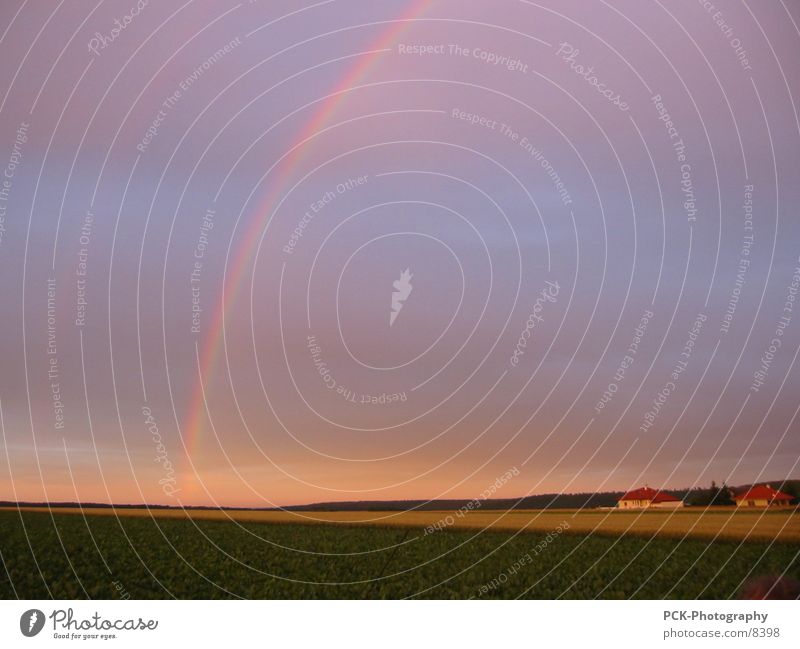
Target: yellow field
{"type": "Point", "coordinates": [720, 522]}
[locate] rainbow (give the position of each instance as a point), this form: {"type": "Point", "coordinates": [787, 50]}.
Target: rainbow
{"type": "Point", "coordinates": [212, 345]}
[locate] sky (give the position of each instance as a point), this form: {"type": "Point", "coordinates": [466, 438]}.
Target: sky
{"type": "Point", "coordinates": [271, 253]}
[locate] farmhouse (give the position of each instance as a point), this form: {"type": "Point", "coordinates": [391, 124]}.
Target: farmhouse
{"type": "Point", "coordinates": [645, 497]}
{"type": "Point", "coordinates": [762, 496]}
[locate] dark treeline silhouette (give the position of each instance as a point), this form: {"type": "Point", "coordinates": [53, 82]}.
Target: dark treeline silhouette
{"type": "Point", "coordinates": [694, 497]}
{"type": "Point", "coordinates": [541, 501]}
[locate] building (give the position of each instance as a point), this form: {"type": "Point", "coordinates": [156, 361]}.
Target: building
{"type": "Point", "coordinates": [646, 498]}
{"type": "Point", "coordinates": [762, 496]}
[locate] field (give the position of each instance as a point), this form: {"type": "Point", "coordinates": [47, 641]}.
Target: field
{"type": "Point", "coordinates": [68, 555]}
{"type": "Point", "coordinates": [712, 523]}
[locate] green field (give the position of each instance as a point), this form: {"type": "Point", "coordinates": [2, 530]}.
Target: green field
{"type": "Point", "coordinates": [71, 556]}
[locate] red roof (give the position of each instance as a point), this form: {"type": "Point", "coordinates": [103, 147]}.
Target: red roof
{"type": "Point", "coordinates": [763, 492]}
{"type": "Point", "coordinates": [653, 495]}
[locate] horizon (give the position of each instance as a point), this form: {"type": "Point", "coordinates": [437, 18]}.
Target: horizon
{"type": "Point", "coordinates": [57, 503]}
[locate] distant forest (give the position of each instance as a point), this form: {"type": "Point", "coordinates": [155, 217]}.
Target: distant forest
{"type": "Point", "coordinates": [699, 497]}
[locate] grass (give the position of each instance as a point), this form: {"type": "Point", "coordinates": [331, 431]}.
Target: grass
{"type": "Point", "coordinates": [101, 556]}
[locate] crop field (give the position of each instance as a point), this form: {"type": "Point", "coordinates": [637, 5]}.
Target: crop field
{"type": "Point", "coordinates": [68, 555]}
{"type": "Point", "coordinates": [713, 523]}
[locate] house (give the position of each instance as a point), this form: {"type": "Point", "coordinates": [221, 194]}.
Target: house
{"type": "Point", "coordinates": [645, 497]}
{"type": "Point", "coordinates": [762, 496]}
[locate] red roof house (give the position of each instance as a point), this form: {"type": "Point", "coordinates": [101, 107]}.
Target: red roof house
{"type": "Point", "coordinates": [762, 496]}
{"type": "Point", "coordinates": [645, 497]}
